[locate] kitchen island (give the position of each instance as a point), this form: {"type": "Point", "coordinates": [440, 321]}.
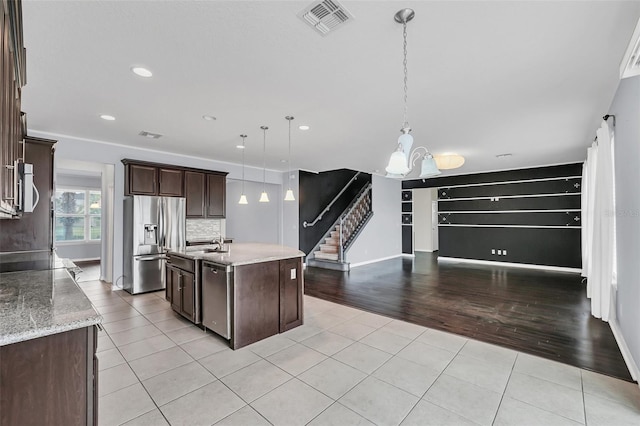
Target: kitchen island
{"type": "Point", "coordinates": [48, 368]}
{"type": "Point", "coordinates": [245, 293]}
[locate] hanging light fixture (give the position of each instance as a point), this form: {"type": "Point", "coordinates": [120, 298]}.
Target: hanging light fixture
{"type": "Point", "coordinates": [289, 195]}
{"type": "Point", "coordinates": [403, 159]}
{"type": "Point", "coordinates": [243, 198]}
{"type": "Point", "coordinates": [264, 198]}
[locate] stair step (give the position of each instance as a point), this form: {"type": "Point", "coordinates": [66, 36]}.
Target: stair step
{"type": "Point", "coordinates": [328, 264]}
{"type": "Point", "coordinates": [332, 241]}
{"type": "Point", "coordinates": [328, 248]}
{"type": "Point", "coordinates": [327, 256]}
{"type": "Point", "coordinates": [335, 234]}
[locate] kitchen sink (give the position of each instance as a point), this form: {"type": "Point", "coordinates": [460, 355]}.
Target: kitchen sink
{"type": "Point", "coordinates": [210, 250]}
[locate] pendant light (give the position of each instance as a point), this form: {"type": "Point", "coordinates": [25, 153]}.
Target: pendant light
{"type": "Point", "coordinates": [264, 198]}
{"type": "Point", "coordinates": [289, 195]}
{"type": "Point", "coordinates": [243, 198]}
{"type": "Point", "coordinates": [403, 159]}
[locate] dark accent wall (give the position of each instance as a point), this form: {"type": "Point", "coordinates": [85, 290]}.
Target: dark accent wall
{"type": "Point", "coordinates": [527, 216]}
{"type": "Point", "coordinates": [316, 190]}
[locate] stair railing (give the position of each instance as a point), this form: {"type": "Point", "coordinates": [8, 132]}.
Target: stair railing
{"type": "Point", "coordinates": [341, 248]}
{"type": "Point", "coordinates": [306, 224]}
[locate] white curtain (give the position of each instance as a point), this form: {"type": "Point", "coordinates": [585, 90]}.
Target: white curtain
{"type": "Point", "coordinates": [598, 220]}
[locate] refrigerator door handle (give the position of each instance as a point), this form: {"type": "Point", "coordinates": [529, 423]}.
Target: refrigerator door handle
{"type": "Point", "coordinates": [149, 258]}
{"type": "Point", "coordinates": [162, 225]}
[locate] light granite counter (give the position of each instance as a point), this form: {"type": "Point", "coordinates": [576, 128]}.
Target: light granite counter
{"type": "Point", "coordinates": [241, 253]}
{"type": "Point", "coordinates": [40, 303]}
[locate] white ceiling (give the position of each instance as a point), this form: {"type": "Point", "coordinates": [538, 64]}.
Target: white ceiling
{"type": "Point", "coordinates": [485, 78]}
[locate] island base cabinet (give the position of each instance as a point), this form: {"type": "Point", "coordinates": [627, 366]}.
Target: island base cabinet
{"type": "Point", "coordinates": [256, 303]}
{"type": "Point", "coordinates": [50, 380]}
{"type": "Point", "coordinates": [267, 300]}
{"type": "Point", "coordinates": [291, 289]}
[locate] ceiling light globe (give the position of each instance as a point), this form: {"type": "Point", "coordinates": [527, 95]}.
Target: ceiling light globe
{"type": "Point", "coordinates": [397, 164]}
{"type": "Point", "coordinates": [429, 167]}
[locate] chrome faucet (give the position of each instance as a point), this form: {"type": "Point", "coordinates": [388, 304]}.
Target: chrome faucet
{"type": "Point", "coordinates": [219, 242]}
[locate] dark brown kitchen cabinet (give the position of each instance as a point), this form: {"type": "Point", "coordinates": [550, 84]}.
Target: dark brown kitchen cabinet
{"type": "Point", "coordinates": [216, 195]}
{"type": "Point", "coordinates": [181, 289]}
{"type": "Point", "coordinates": [206, 194]}
{"type": "Point", "coordinates": [142, 179]}
{"type": "Point", "coordinates": [34, 231]}
{"type": "Point", "coordinates": [195, 184]}
{"type": "Point", "coordinates": [171, 182]}
{"type": "Point", "coordinates": [291, 288]}
{"type": "Point", "coordinates": [12, 121]}
{"type": "Point", "coordinates": [50, 380]}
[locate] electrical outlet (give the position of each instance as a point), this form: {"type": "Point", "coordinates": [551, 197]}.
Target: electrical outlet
{"type": "Point", "coordinates": [504, 252]}
{"type": "Point", "coordinates": [293, 274]}
{"type": "Point", "coordinates": [493, 251]}
{"type": "Point", "coordinates": [499, 252]}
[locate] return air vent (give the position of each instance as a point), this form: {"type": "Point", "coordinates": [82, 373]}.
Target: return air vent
{"type": "Point", "coordinates": [150, 135]}
{"type": "Point", "coordinates": [325, 16]}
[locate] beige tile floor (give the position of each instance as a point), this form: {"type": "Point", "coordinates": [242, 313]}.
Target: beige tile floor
{"type": "Point", "coordinates": [343, 367]}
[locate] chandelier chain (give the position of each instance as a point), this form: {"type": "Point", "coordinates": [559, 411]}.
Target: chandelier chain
{"type": "Point", "coordinates": [404, 63]}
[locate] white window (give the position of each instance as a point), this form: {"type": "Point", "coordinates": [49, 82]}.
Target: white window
{"type": "Point", "coordinates": [77, 215]}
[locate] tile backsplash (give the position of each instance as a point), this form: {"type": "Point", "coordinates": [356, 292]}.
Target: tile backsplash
{"type": "Point", "coordinates": [205, 229]}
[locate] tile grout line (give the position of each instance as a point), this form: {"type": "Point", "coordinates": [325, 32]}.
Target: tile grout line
{"type": "Point", "coordinates": [504, 392]}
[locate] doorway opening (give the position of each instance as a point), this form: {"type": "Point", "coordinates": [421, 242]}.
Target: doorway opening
{"type": "Point", "coordinates": [83, 217]}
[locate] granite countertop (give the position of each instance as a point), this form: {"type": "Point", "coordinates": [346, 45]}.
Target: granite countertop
{"type": "Point", "coordinates": [40, 303]}
{"type": "Point", "coordinates": [240, 253]}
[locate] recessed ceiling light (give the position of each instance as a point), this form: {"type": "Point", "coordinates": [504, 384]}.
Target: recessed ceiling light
{"type": "Point", "coordinates": [283, 161]}
{"type": "Point", "coordinates": [240, 146]}
{"type": "Point", "coordinates": [209, 117]}
{"type": "Point", "coordinates": [303, 127]}
{"type": "Point", "coordinates": [107, 117]}
{"type": "Point", "coordinates": [142, 72]}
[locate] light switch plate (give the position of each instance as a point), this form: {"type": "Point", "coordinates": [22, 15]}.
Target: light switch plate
{"type": "Point", "coordinates": [293, 274]}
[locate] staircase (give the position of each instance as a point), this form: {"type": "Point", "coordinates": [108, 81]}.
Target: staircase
{"type": "Point", "coordinates": [330, 251]}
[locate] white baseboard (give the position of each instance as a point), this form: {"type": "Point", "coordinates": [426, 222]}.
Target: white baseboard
{"type": "Point", "coordinates": [624, 349]}
{"type": "Point", "coordinates": [355, 265]}
{"type": "Point", "coordinates": [516, 265]}
{"type": "Point", "coordinates": [425, 251]}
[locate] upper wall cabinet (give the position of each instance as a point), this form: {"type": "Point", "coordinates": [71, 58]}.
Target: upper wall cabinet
{"type": "Point", "coordinates": [206, 194]}
{"type": "Point", "coordinates": [204, 190]}
{"type": "Point", "coordinates": [142, 180]}
{"type": "Point", "coordinates": [195, 188]}
{"type": "Point", "coordinates": [153, 179]}
{"type": "Point", "coordinates": [170, 182]}
{"type": "Point", "coordinates": [216, 195]}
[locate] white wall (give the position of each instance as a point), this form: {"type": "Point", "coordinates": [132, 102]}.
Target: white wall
{"type": "Point", "coordinates": [382, 237]}
{"type": "Point", "coordinates": [422, 226]}
{"type": "Point", "coordinates": [78, 149]}
{"type": "Point", "coordinates": [626, 108]}
{"type": "Point", "coordinates": [253, 222]}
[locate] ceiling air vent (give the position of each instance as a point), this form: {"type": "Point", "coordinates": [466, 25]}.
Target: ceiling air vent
{"type": "Point", "coordinates": [630, 65]}
{"type": "Point", "coordinates": [325, 16]}
{"type": "Point", "coordinates": [150, 135]}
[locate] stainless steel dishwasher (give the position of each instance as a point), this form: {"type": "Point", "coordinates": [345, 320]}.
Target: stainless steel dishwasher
{"type": "Point", "coordinates": [216, 297]}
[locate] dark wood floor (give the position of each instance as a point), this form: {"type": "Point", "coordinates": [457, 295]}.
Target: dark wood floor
{"type": "Point", "coordinates": [537, 312]}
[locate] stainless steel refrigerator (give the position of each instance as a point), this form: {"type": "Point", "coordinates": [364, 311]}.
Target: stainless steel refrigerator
{"type": "Point", "coordinates": [152, 226]}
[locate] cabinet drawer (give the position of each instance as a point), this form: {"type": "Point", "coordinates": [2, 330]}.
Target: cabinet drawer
{"type": "Point", "coordinates": [182, 263]}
